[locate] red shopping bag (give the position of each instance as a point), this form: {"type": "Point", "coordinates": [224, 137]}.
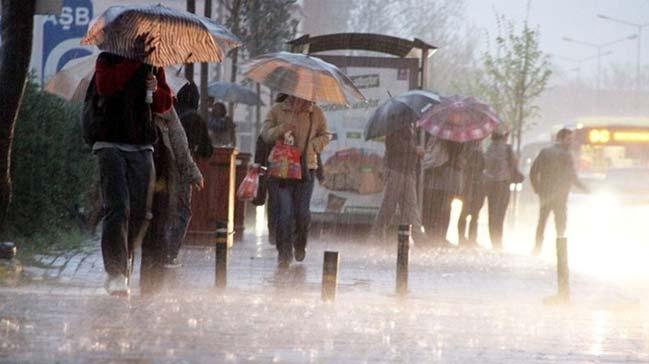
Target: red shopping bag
{"type": "Point", "coordinates": [284, 162]}
{"type": "Point", "coordinates": [248, 188]}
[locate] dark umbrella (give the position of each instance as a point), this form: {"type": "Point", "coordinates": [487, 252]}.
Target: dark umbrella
{"type": "Point", "coordinates": [460, 119]}
{"type": "Point", "coordinates": [233, 92]}
{"type": "Point", "coordinates": [398, 112]}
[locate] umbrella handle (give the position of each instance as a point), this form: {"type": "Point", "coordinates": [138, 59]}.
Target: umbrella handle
{"type": "Point", "coordinates": [149, 94]}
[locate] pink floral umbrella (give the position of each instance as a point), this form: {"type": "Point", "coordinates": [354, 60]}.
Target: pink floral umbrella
{"type": "Point", "coordinates": [460, 119]}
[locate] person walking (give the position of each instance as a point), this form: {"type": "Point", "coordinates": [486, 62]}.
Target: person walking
{"type": "Point", "coordinates": [122, 138]}
{"type": "Point", "coordinates": [189, 141]}
{"type": "Point", "coordinates": [307, 125]}
{"type": "Point", "coordinates": [499, 163]}
{"type": "Point", "coordinates": [473, 196]}
{"type": "Point", "coordinates": [552, 175]}
{"type": "Point", "coordinates": [400, 193]}
{"type": "Point", "coordinates": [443, 182]}
{"type": "Point", "coordinates": [221, 127]}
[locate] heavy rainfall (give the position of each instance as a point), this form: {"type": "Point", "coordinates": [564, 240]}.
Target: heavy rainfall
{"type": "Point", "coordinates": [324, 181]}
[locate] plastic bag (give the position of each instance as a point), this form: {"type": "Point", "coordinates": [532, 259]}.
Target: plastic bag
{"type": "Point", "coordinates": [248, 188]}
{"type": "Point", "coordinates": [284, 162]}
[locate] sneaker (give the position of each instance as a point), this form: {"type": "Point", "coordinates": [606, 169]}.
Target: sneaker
{"type": "Point", "coordinates": [283, 264]}
{"type": "Point", "coordinates": [300, 253]}
{"type": "Point", "coordinates": [173, 263]}
{"type": "Point", "coordinates": [117, 285]}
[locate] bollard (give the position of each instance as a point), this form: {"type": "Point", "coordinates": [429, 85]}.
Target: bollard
{"type": "Point", "coordinates": [221, 261]}
{"type": "Point", "coordinates": [403, 252]}
{"type": "Point", "coordinates": [329, 276]}
{"type": "Point", "coordinates": [563, 273]}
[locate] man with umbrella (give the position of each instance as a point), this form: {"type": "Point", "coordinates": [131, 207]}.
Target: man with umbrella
{"type": "Point", "coordinates": [401, 157]}
{"type": "Point", "coordinates": [126, 91]}
{"type": "Point", "coordinates": [124, 150]}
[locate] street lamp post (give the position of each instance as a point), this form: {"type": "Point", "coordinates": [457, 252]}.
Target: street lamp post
{"type": "Point", "coordinates": [600, 47]}
{"type": "Point", "coordinates": [639, 27]}
{"type": "Point", "coordinates": [579, 61]}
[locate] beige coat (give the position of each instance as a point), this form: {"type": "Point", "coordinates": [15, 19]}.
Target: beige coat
{"type": "Point", "coordinates": [281, 116]}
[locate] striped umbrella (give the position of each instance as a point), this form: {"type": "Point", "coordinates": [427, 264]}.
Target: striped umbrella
{"type": "Point", "coordinates": [160, 36]}
{"type": "Point", "coordinates": [304, 76]}
{"type": "Point", "coordinates": [72, 81]}
{"type": "Point", "coordinates": [460, 119]}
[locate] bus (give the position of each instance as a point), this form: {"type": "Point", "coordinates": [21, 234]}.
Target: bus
{"type": "Point", "coordinates": [611, 156]}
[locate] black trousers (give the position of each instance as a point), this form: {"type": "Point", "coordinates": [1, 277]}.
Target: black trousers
{"type": "Point", "coordinates": [437, 214]}
{"type": "Point", "coordinates": [558, 206]}
{"type": "Point", "coordinates": [472, 202]}
{"type": "Point", "coordinates": [126, 186]}
{"type": "Point", "coordinates": [497, 202]}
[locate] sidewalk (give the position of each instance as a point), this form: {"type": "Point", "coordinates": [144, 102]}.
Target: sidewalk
{"type": "Point", "coordinates": [463, 306]}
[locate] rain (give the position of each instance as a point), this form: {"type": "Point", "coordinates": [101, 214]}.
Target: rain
{"type": "Point", "coordinates": [367, 179]}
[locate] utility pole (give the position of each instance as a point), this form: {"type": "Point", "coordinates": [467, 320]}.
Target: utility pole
{"type": "Point", "coordinates": [204, 68]}
{"type": "Point", "coordinates": [189, 67]}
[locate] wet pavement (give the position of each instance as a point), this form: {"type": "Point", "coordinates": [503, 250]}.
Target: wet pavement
{"type": "Point", "coordinates": [463, 306]}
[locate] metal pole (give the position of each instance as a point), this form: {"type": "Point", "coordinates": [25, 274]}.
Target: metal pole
{"type": "Point", "coordinates": [403, 252]}
{"type": "Point", "coordinates": [563, 273]}
{"type": "Point", "coordinates": [221, 258]}
{"type": "Point", "coordinates": [637, 68]}
{"type": "Point", "coordinates": [599, 76]}
{"type": "Point", "coordinates": [205, 69]}
{"type": "Point", "coordinates": [329, 276]}
{"type": "Point", "coordinates": [189, 67]}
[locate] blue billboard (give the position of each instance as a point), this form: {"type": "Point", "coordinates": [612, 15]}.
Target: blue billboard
{"type": "Point", "coordinates": [62, 35]}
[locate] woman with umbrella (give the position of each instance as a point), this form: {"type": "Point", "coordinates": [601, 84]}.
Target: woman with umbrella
{"type": "Point", "coordinates": [305, 79]}
{"type": "Point", "coordinates": [452, 123]}
{"type": "Point", "coordinates": [305, 123]}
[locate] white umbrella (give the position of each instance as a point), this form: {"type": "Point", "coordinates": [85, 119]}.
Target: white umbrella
{"type": "Point", "coordinates": [72, 81]}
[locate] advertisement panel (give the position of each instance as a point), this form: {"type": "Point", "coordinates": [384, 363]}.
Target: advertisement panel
{"type": "Point", "coordinates": [61, 36]}
{"type": "Point", "coordinates": [352, 189]}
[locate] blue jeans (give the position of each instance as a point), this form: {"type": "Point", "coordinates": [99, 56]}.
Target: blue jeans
{"type": "Point", "coordinates": [292, 208]}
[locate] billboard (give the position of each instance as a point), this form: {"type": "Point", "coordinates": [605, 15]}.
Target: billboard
{"type": "Point", "coordinates": [352, 190]}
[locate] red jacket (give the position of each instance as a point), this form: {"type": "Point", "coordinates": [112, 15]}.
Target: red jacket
{"type": "Point", "coordinates": [110, 78]}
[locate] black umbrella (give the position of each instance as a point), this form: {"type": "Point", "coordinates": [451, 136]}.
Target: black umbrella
{"type": "Point", "coordinates": [233, 92]}
{"type": "Point", "coordinates": [398, 112]}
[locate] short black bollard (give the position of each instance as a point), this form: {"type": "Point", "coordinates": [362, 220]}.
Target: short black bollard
{"type": "Point", "coordinates": [403, 252]}
{"type": "Point", "coordinates": [221, 261]}
{"type": "Point", "coordinates": [329, 276]}
{"type": "Point", "coordinates": [563, 273]}
{"type": "Point", "coordinates": [7, 250]}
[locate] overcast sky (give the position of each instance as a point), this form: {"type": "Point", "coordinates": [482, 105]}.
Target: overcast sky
{"type": "Point", "coordinates": [575, 19]}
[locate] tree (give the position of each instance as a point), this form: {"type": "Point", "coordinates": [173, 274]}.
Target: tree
{"type": "Point", "coordinates": [515, 76]}
{"type": "Point", "coordinates": [262, 25]}
{"type": "Point", "coordinates": [17, 29]}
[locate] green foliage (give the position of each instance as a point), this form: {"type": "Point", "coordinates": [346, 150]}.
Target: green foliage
{"type": "Point", "coordinates": [52, 169]}
{"type": "Point", "coordinates": [515, 75]}
{"type": "Point", "coordinates": [269, 24]}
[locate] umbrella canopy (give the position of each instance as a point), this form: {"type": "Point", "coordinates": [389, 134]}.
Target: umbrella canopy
{"type": "Point", "coordinates": [160, 36]}
{"type": "Point", "coordinates": [304, 76]}
{"type": "Point", "coordinates": [398, 112]}
{"type": "Point", "coordinates": [233, 92]}
{"type": "Point", "coordinates": [72, 81]}
{"type": "Point", "coordinates": [460, 119]}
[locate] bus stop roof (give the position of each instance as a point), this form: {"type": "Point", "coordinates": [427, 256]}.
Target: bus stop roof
{"type": "Point", "coordinates": [399, 47]}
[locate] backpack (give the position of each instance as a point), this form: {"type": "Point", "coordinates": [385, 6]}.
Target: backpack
{"type": "Point", "coordinates": [93, 114]}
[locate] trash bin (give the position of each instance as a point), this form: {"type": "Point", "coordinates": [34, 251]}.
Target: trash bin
{"type": "Point", "coordinates": [216, 201]}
